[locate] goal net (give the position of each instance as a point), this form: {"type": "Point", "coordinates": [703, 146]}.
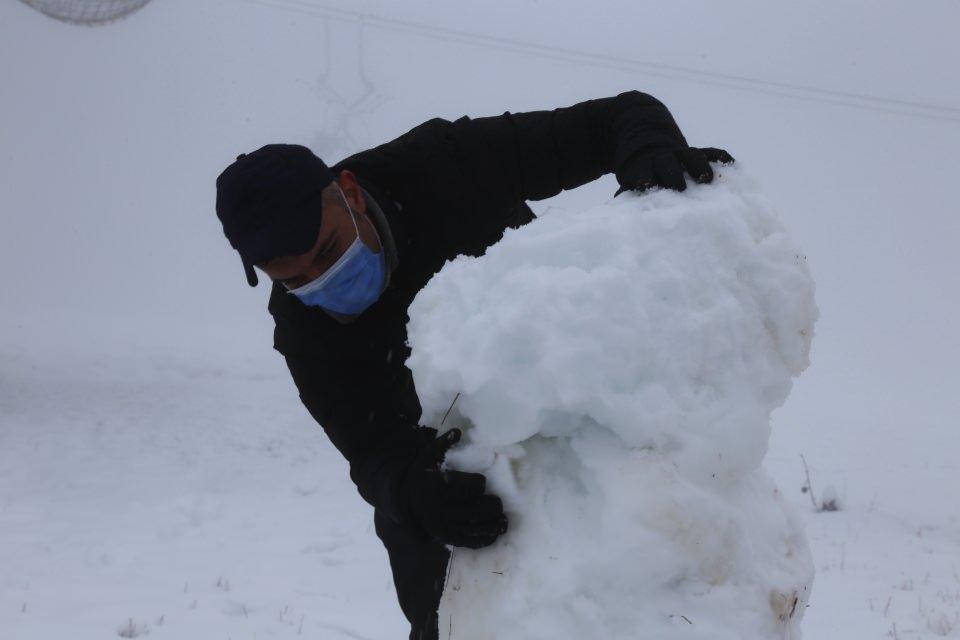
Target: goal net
{"type": "Point", "coordinates": [88, 12]}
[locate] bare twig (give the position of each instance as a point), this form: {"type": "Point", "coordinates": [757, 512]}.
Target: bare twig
{"type": "Point", "coordinates": [808, 488]}
{"type": "Point", "coordinates": [446, 578]}
{"type": "Point", "coordinates": [450, 408]}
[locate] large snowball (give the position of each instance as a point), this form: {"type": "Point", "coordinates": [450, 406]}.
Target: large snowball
{"type": "Point", "coordinates": [617, 369]}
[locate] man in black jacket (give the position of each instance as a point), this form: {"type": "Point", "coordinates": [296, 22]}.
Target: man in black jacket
{"type": "Point", "coordinates": [347, 248]}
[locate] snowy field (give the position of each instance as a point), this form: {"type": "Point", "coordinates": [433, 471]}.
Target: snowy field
{"type": "Point", "coordinates": [157, 472]}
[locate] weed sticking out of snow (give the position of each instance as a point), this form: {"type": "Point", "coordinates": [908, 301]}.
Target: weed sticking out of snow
{"type": "Point", "coordinates": [133, 630]}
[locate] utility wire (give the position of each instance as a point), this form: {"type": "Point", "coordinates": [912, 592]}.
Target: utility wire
{"type": "Point", "coordinates": [729, 81]}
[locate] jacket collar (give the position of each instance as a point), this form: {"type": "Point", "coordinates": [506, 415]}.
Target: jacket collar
{"type": "Point", "coordinates": [389, 221]}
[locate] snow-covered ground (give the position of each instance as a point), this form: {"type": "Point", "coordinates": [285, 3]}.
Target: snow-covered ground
{"type": "Point", "coordinates": [156, 468]}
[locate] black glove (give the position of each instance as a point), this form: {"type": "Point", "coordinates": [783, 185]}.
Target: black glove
{"type": "Point", "coordinates": [664, 168]}
{"type": "Point", "coordinates": [451, 505]}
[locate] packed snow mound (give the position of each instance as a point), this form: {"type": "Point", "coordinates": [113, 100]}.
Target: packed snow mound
{"type": "Point", "coordinates": [617, 369]}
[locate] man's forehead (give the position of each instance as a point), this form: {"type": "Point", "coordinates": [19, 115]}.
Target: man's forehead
{"type": "Point", "coordinates": [327, 237]}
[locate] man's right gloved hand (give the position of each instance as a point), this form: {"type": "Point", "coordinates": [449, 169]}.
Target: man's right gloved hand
{"type": "Point", "coordinates": [665, 167]}
{"type": "Point", "coordinates": [451, 506]}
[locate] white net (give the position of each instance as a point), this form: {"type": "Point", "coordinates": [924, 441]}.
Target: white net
{"type": "Point", "coordinates": [86, 11]}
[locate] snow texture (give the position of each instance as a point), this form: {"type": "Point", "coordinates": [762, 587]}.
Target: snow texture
{"type": "Point", "coordinates": [617, 369]}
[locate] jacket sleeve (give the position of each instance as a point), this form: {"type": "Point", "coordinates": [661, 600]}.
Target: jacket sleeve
{"type": "Point", "coordinates": [535, 155]}
{"type": "Point", "coordinates": [377, 441]}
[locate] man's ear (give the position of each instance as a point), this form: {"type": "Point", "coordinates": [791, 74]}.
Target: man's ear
{"type": "Point", "coordinates": [352, 191]}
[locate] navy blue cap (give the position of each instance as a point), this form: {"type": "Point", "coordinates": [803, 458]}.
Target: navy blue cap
{"type": "Point", "coordinates": [269, 202]}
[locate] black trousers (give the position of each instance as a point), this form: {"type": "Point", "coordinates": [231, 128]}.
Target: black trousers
{"type": "Point", "coordinates": [419, 566]}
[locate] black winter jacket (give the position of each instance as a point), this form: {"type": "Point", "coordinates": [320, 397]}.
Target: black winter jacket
{"type": "Point", "coordinates": [446, 189]}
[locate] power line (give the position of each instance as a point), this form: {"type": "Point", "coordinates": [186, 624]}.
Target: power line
{"type": "Point", "coordinates": [672, 72]}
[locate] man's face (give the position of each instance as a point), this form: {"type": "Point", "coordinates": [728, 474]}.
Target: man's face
{"type": "Point", "coordinates": [337, 233]}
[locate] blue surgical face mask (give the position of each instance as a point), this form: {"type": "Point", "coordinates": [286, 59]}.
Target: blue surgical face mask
{"type": "Point", "coordinates": [352, 284]}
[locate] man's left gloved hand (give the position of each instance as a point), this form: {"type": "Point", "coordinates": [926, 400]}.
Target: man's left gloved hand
{"type": "Point", "coordinates": [451, 506]}
{"type": "Point", "coordinates": [665, 168]}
